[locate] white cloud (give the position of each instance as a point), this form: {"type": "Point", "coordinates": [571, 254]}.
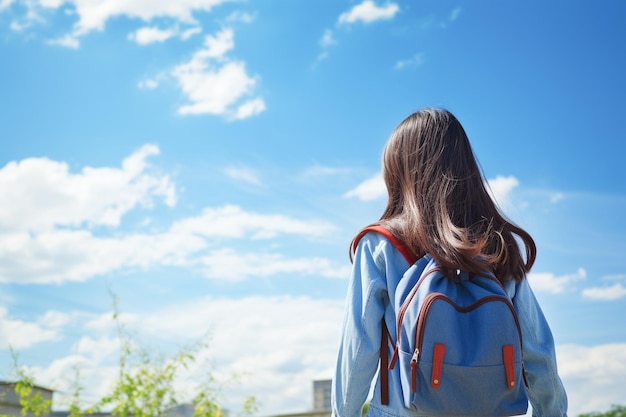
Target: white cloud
{"type": "Point", "coordinates": [5, 4]}
{"type": "Point", "coordinates": [556, 197]}
{"type": "Point", "coordinates": [243, 174]}
{"type": "Point", "coordinates": [374, 188]}
{"type": "Point", "coordinates": [414, 62]}
{"type": "Point", "coordinates": [188, 33]}
{"type": "Point", "coordinates": [153, 82]}
{"type": "Point", "coordinates": [455, 13]}
{"type": "Point", "coordinates": [15, 26]}
{"type": "Point", "coordinates": [67, 41]}
{"type": "Point", "coordinates": [92, 16]}
{"type": "Point", "coordinates": [19, 334]}
{"type": "Point", "coordinates": [78, 255]}
{"type": "Point", "coordinates": [614, 292]}
{"type": "Point", "coordinates": [98, 349]}
{"type": "Point", "coordinates": [216, 46]}
{"type": "Point", "coordinates": [321, 57]}
{"type": "Point", "coordinates": [370, 189]}
{"type": "Point", "coordinates": [500, 189]}
{"type": "Point", "coordinates": [226, 264]}
{"type": "Point", "coordinates": [211, 82]}
{"type": "Point", "coordinates": [277, 345]}
{"type": "Point", "coordinates": [548, 282]}
{"type": "Point", "coordinates": [149, 84]}
{"type": "Point", "coordinates": [368, 12]}
{"type": "Point", "coordinates": [240, 16]}
{"type": "Point", "coordinates": [215, 85]}
{"type": "Point", "coordinates": [327, 38]}
{"type": "Point", "coordinates": [323, 171]}
{"type": "Point", "coordinates": [233, 222]}
{"type": "Point", "coordinates": [95, 196]}
{"type": "Point", "coordinates": [250, 108]}
{"type": "Point", "coordinates": [150, 34]}
{"type": "Point", "coordinates": [594, 376]}
{"type": "Point", "coordinates": [49, 232]}
{"type": "Point", "coordinates": [615, 277]}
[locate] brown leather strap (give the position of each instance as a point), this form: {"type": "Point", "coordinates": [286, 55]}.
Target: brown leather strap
{"type": "Point", "coordinates": [384, 365]}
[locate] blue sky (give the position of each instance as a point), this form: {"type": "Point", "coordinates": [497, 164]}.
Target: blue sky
{"type": "Point", "coordinates": [208, 161]}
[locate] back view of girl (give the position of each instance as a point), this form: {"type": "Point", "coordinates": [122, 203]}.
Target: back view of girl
{"type": "Point", "coordinates": [438, 205]}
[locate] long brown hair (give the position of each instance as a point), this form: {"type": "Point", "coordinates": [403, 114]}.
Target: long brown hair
{"type": "Point", "coordinates": [438, 202]}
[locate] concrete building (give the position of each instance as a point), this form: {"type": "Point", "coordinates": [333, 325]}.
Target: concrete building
{"type": "Point", "coordinates": [321, 401]}
{"type": "Point", "coordinates": [321, 395]}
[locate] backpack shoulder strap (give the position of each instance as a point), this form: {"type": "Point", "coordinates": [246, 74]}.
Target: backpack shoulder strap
{"type": "Point", "coordinates": [400, 246]}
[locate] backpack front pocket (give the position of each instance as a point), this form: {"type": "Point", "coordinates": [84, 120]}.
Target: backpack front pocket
{"type": "Point", "coordinates": [447, 389]}
{"type": "Point", "coordinates": [464, 360]}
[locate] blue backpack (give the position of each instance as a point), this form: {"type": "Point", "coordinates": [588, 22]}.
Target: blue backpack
{"type": "Point", "coordinates": [459, 343]}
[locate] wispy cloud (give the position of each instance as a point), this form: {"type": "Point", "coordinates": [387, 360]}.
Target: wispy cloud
{"type": "Point", "coordinates": [415, 61]}
{"type": "Point", "coordinates": [5, 4]}
{"type": "Point", "coordinates": [370, 189]}
{"type": "Point", "coordinates": [21, 334]}
{"type": "Point", "coordinates": [148, 83]}
{"type": "Point", "coordinates": [65, 226]}
{"type": "Point", "coordinates": [326, 42]}
{"type": "Point", "coordinates": [323, 171]}
{"type": "Point", "coordinates": [243, 174]}
{"type": "Point", "coordinates": [239, 16]}
{"type": "Point", "coordinates": [67, 41]}
{"type": "Point", "coordinates": [549, 282]}
{"type": "Point", "coordinates": [229, 265]}
{"type": "Point", "coordinates": [151, 34]}
{"type": "Point", "coordinates": [365, 12]}
{"type": "Point", "coordinates": [233, 222]}
{"type": "Point", "coordinates": [368, 12]}
{"type": "Point", "coordinates": [500, 189]}
{"type": "Point", "coordinates": [327, 38]}
{"type": "Point", "coordinates": [454, 14]}
{"type": "Point", "coordinates": [613, 292]}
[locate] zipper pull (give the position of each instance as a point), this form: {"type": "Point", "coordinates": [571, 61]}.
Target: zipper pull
{"type": "Point", "coordinates": [415, 356]}
{"type": "Point", "coordinates": [414, 360]}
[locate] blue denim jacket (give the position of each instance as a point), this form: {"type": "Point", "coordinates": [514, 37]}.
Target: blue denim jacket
{"type": "Point", "coordinates": [377, 269]}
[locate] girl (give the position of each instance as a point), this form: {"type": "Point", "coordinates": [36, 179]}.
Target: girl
{"type": "Point", "coordinates": [438, 205]}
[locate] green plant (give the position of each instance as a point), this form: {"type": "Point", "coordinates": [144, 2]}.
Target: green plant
{"type": "Point", "coordinates": [31, 400]}
{"type": "Point", "coordinates": [145, 386]}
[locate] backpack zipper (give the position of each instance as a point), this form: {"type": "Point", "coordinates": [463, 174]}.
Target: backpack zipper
{"type": "Point", "coordinates": [401, 314]}
{"type": "Point", "coordinates": [431, 298]}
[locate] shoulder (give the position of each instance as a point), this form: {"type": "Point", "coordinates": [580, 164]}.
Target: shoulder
{"type": "Point", "coordinates": [379, 248]}
{"type": "Point", "coordinates": [372, 243]}
{"type": "Point", "coordinates": [514, 288]}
